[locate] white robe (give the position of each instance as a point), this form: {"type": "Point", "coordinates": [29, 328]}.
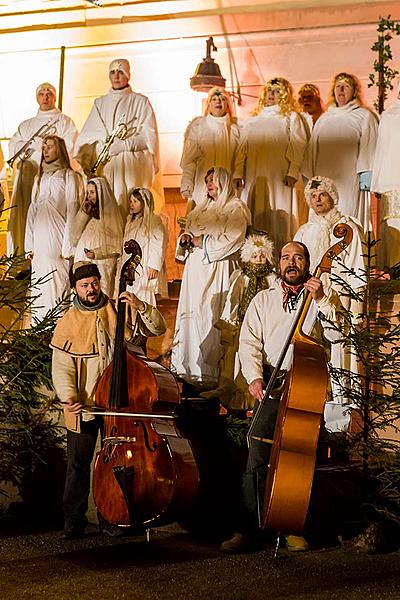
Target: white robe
{"type": "Point", "coordinates": [55, 202]}
{"type": "Point", "coordinates": [342, 145]}
{"type": "Point", "coordinates": [318, 236]}
{"type": "Point", "coordinates": [138, 166]}
{"type": "Point", "coordinates": [274, 147]}
{"type": "Point", "coordinates": [209, 142]}
{"type": "Point", "coordinates": [154, 246]}
{"type": "Point", "coordinates": [103, 235]}
{"type": "Point", "coordinates": [26, 169]}
{"type": "Point", "coordinates": [386, 181]}
{"type": "Point", "coordinates": [205, 284]}
{"type": "Point", "coordinates": [106, 256]}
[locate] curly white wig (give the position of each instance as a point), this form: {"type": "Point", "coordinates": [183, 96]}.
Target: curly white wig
{"type": "Point", "coordinates": [321, 184]}
{"type": "Point", "coordinates": [256, 243]}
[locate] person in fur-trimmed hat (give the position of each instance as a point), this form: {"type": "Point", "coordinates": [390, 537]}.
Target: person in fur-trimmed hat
{"type": "Point", "coordinates": [254, 275]}
{"type": "Point", "coordinates": [348, 271]}
{"type": "Point", "coordinates": [83, 346]}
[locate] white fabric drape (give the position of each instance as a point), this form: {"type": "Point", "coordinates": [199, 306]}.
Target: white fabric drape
{"type": "Point", "coordinates": [274, 146]}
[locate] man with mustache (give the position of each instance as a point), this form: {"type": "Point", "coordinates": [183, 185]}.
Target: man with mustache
{"type": "Point", "coordinates": [265, 328]}
{"type": "Point", "coordinates": [83, 346]}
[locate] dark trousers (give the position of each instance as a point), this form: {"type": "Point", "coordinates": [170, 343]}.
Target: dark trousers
{"type": "Point", "coordinates": [253, 482]}
{"type": "Point", "coordinates": [80, 451]}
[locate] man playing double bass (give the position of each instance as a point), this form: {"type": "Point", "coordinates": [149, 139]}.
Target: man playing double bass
{"type": "Point", "coordinates": [83, 346]}
{"type": "Point", "coordinates": [266, 326]}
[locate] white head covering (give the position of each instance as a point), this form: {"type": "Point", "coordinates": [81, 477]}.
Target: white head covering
{"type": "Point", "coordinates": [321, 184]}
{"type": "Point", "coordinates": [111, 224]}
{"type": "Point", "coordinates": [209, 214]}
{"type": "Point", "coordinates": [46, 86]}
{"type": "Point", "coordinates": [121, 64]}
{"type": "Point", "coordinates": [257, 243]}
{"type": "Point", "coordinates": [148, 206]}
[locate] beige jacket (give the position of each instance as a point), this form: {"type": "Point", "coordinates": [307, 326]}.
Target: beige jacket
{"type": "Point", "coordinates": [83, 343]}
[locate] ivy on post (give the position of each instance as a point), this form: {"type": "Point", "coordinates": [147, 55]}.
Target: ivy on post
{"type": "Point", "coordinates": [384, 75]}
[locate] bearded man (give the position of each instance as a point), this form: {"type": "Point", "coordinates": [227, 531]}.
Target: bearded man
{"type": "Point", "coordinates": [134, 153]}
{"type": "Point", "coordinates": [83, 346]}
{"type": "Point", "coordinates": [28, 162]}
{"type": "Point", "coordinates": [265, 328]}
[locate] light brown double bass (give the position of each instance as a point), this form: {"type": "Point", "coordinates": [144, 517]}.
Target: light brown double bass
{"type": "Point", "coordinates": [293, 454]}
{"type": "Point", "coordinates": [145, 471]}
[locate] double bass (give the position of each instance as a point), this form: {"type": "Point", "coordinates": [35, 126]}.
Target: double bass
{"type": "Point", "coordinates": [284, 502]}
{"type": "Point", "coordinates": [145, 471]}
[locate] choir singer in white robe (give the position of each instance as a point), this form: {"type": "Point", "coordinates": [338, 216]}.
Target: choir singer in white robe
{"type": "Point", "coordinates": [55, 201]}
{"type": "Point", "coordinates": [342, 147]}
{"type": "Point", "coordinates": [98, 229]}
{"type": "Point", "coordinates": [210, 141]}
{"type": "Point", "coordinates": [274, 142]}
{"type": "Point", "coordinates": [27, 164]}
{"type": "Point", "coordinates": [215, 230]}
{"type": "Point", "coordinates": [348, 273]}
{"type": "Point", "coordinates": [133, 157]}
{"type": "Point", "coordinates": [150, 233]}
{"type": "Point", "coordinates": [386, 181]}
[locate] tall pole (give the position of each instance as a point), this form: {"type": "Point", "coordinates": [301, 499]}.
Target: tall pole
{"type": "Point", "coordinates": [381, 78]}
{"type": "Point", "coordinates": [61, 80]}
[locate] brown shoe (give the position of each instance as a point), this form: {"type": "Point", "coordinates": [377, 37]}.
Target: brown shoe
{"type": "Point", "coordinates": [236, 544]}
{"type": "Point", "coordinates": [296, 543]}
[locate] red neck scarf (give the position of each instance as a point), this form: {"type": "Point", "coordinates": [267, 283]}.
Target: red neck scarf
{"type": "Point", "coordinates": [291, 295]}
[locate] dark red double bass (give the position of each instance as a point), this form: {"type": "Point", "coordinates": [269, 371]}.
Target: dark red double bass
{"type": "Point", "coordinates": [284, 505]}
{"type": "Point", "coordinates": [145, 471]}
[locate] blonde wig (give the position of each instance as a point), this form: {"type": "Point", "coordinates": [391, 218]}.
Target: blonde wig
{"type": "Point", "coordinates": [217, 91]}
{"type": "Point", "coordinates": [287, 102]}
{"type": "Point", "coordinates": [350, 79]}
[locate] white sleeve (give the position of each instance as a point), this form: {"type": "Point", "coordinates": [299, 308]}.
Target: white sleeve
{"type": "Point", "coordinates": [368, 140]}
{"type": "Point", "coordinates": [297, 144]}
{"type": "Point", "coordinates": [157, 244]}
{"type": "Point", "coordinates": [220, 246]}
{"type": "Point", "coordinates": [30, 219]}
{"type": "Point", "coordinates": [251, 343]}
{"type": "Point", "coordinates": [63, 369]}
{"type": "Point", "coordinates": [190, 156]}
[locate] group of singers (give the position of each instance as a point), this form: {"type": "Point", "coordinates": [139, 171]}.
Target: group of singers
{"type": "Point", "coordinates": [277, 183]}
